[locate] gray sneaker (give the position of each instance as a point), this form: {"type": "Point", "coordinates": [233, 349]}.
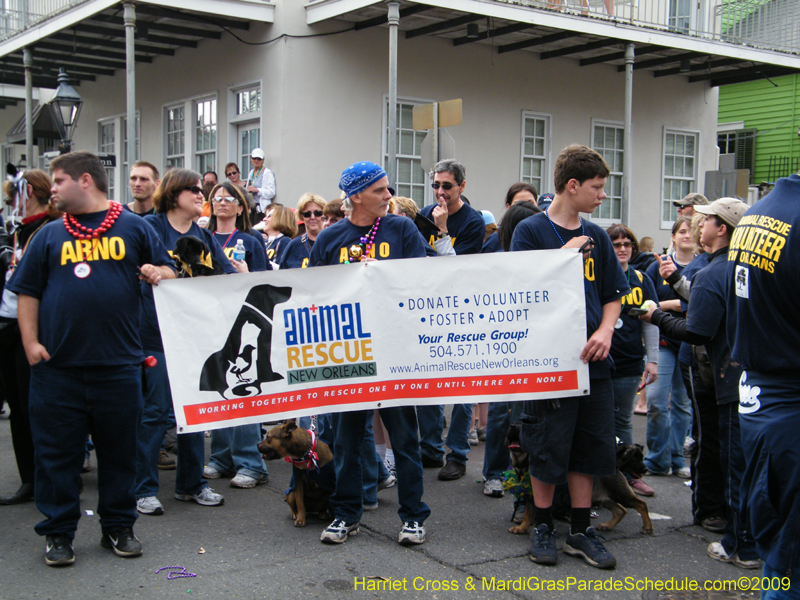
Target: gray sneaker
{"type": "Point", "coordinates": [413, 532]}
{"type": "Point", "coordinates": [149, 505]}
{"type": "Point", "coordinates": [205, 497]}
{"type": "Point", "coordinates": [589, 547]}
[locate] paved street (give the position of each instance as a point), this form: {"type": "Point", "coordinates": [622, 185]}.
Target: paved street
{"type": "Point", "coordinates": [248, 548]}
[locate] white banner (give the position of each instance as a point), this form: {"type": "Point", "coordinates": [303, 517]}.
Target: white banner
{"type": "Point", "coordinates": [264, 346]}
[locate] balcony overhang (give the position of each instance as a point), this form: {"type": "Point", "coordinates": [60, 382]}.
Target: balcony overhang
{"type": "Point", "coordinates": [88, 39]}
{"type": "Point", "coordinates": [573, 32]}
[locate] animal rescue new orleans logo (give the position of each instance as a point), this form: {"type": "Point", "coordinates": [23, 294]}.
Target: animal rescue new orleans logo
{"type": "Point", "coordinates": [243, 366]}
{"type": "Point", "coordinates": [748, 396]}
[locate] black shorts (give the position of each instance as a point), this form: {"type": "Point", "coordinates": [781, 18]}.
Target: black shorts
{"type": "Point", "coordinates": [578, 437]}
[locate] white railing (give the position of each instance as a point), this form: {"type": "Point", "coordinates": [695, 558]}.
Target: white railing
{"type": "Point", "coordinates": [767, 24]}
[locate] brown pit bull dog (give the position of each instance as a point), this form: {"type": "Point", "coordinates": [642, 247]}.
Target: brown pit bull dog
{"type": "Point", "coordinates": [611, 492]}
{"type": "Point", "coordinates": [306, 452]}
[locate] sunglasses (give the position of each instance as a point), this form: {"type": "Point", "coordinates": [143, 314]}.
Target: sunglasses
{"type": "Point", "coordinates": [445, 186]}
{"type": "Point", "coordinates": [307, 214]}
{"type": "Point", "coordinates": [195, 189]}
{"type": "Point", "coordinates": [622, 244]}
{"type": "Point", "coordinates": [231, 174]}
{"type": "Point", "coordinates": [225, 198]}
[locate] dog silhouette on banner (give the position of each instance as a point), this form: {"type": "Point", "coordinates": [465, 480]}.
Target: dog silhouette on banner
{"type": "Point", "coordinates": [243, 365]}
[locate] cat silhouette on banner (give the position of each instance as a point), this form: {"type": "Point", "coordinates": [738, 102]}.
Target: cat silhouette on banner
{"type": "Point", "coordinates": [242, 367]}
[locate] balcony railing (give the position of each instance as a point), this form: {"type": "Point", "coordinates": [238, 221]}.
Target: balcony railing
{"type": "Point", "coordinates": [766, 24]}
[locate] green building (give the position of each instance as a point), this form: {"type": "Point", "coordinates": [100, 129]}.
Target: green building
{"type": "Point", "coordinates": [759, 123]}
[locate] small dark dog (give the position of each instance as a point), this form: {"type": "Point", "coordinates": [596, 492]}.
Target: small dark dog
{"type": "Point", "coordinates": [193, 258]}
{"type": "Point", "coordinates": [308, 455]}
{"type": "Point", "coordinates": [611, 492]}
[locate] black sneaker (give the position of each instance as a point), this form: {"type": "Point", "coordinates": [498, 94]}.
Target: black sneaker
{"type": "Point", "coordinates": [58, 551]}
{"type": "Point", "coordinates": [591, 549]}
{"type": "Point", "coordinates": [122, 542]}
{"type": "Point", "coordinates": [452, 470]}
{"type": "Point", "coordinates": [543, 546]}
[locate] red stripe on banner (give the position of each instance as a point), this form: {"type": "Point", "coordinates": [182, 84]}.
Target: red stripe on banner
{"type": "Point", "coordinates": [331, 396]}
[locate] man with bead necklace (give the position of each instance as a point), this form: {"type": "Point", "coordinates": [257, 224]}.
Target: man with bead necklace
{"type": "Point", "coordinates": [78, 288]}
{"type": "Point", "coordinates": [572, 439]}
{"type": "Point", "coordinates": [372, 234]}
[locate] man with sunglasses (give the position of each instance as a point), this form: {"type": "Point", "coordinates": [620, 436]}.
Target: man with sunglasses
{"type": "Point", "coordinates": [463, 227]}
{"type": "Point", "coordinates": [260, 182]}
{"type": "Point", "coordinates": [686, 205]}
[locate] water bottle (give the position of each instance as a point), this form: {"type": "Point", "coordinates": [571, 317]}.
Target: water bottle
{"type": "Point", "coordinates": [238, 251]}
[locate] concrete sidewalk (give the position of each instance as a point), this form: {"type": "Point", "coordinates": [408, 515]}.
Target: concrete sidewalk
{"type": "Point", "coordinates": [249, 548]}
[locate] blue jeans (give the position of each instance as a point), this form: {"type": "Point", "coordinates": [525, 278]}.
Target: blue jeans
{"type": "Point", "coordinates": [369, 465]}
{"type": "Point", "coordinates": [350, 430]}
{"type": "Point", "coordinates": [233, 450]}
{"type": "Point", "coordinates": [65, 406]}
{"type": "Point", "coordinates": [153, 426]}
{"type": "Point", "coordinates": [496, 459]}
{"type": "Point", "coordinates": [793, 593]}
{"type": "Point", "coordinates": [669, 415]}
{"type": "Point", "coordinates": [624, 402]}
{"type": "Point", "coordinates": [430, 429]}
{"type": "Point", "coordinates": [736, 537]}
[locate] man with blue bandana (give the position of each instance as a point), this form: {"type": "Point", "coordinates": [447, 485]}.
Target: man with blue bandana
{"type": "Point", "coordinates": [764, 332]}
{"type": "Point", "coordinates": [372, 234]}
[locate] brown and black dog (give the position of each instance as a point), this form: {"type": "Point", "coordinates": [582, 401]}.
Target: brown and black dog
{"type": "Point", "coordinates": [306, 452]}
{"type": "Point", "coordinates": [611, 492]}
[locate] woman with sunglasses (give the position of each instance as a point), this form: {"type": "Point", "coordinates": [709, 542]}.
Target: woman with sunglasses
{"type": "Point", "coordinates": [310, 209]}
{"type": "Point", "coordinates": [230, 222]}
{"type": "Point", "coordinates": [178, 201]}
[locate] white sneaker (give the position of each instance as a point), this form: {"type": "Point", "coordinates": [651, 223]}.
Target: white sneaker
{"type": "Point", "coordinates": [683, 473]}
{"type": "Point", "coordinates": [494, 488]}
{"type": "Point", "coordinates": [210, 472]}
{"type": "Point", "coordinates": [149, 505]}
{"type": "Point", "coordinates": [412, 532]}
{"type": "Point", "coordinates": [717, 552]}
{"type": "Point", "coordinates": [246, 482]}
{"type": "Point", "coordinates": [205, 497]}
{"type": "Point", "coordinates": [338, 532]}
{"type": "Point", "coordinates": [390, 481]}
{"type": "Point", "coordinates": [473, 438]}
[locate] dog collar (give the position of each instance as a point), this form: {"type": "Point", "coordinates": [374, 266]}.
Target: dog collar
{"type": "Point", "coordinates": [310, 459]}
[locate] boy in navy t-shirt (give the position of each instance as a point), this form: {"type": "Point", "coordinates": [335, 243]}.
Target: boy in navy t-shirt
{"type": "Point", "coordinates": [573, 439]}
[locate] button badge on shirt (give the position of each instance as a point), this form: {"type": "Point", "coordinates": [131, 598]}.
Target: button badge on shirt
{"type": "Point", "coordinates": [82, 270]}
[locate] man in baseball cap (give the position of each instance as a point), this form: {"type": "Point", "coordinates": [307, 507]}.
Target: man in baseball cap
{"type": "Point", "coordinates": [686, 206]}
{"type": "Point", "coordinates": [706, 325]}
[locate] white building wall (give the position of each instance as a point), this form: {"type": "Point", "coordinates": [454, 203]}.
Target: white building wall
{"type": "Point", "coordinates": [322, 103]}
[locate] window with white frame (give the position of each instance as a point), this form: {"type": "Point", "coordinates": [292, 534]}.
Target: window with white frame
{"type": "Point", "coordinates": [680, 171]}
{"type": "Point", "coordinates": [106, 142]}
{"type": "Point", "coordinates": [607, 139]}
{"type": "Point", "coordinates": [535, 150]}
{"type": "Point", "coordinates": [248, 101]}
{"type": "Point", "coordinates": [175, 136]}
{"type": "Point", "coordinates": [410, 177]}
{"type": "Point", "coordinates": [680, 15]}
{"type": "Point", "coordinates": [8, 154]}
{"type": "Point", "coordinates": [205, 133]}
{"type": "Point", "coordinates": [742, 144]}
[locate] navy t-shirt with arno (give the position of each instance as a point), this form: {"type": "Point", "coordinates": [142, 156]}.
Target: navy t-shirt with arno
{"type": "Point", "coordinates": [465, 227]}
{"type": "Point", "coordinates": [98, 280]}
{"type": "Point", "coordinates": [397, 237]}
{"type": "Point", "coordinates": [255, 254]}
{"type": "Point", "coordinates": [608, 281]}
{"type": "Point", "coordinates": [297, 253]}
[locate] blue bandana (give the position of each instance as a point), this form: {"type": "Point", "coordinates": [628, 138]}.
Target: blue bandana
{"type": "Point", "coordinates": [359, 176]}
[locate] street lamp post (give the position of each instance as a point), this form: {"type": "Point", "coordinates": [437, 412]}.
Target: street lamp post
{"type": "Point", "coordinates": [67, 108]}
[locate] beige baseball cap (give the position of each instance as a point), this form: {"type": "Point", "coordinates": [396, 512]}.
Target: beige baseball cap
{"type": "Point", "coordinates": [730, 210]}
{"type": "Point", "coordinates": [692, 199]}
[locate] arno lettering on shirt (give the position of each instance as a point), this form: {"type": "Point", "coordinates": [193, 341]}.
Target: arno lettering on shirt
{"type": "Point", "coordinates": [75, 251]}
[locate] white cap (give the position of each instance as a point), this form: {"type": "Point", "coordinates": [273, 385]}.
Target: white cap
{"type": "Point", "coordinates": [257, 153]}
